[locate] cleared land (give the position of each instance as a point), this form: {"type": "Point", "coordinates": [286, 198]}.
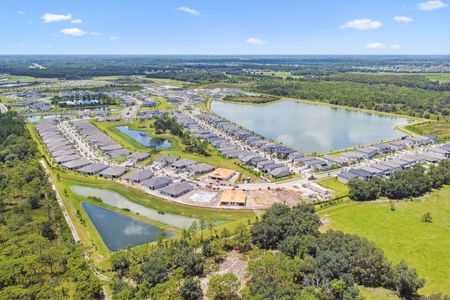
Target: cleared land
{"type": "Point", "coordinates": [402, 234]}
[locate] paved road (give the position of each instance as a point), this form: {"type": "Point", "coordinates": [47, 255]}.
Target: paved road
{"type": "Point", "coordinates": [61, 204]}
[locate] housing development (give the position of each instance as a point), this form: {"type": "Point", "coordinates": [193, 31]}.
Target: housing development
{"type": "Point", "coordinates": [224, 176]}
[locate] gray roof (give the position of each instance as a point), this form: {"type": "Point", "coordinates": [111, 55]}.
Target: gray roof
{"type": "Point", "coordinates": [157, 181]}
{"type": "Point", "coordinates": [177, 188]}
{"type": "Point", "coordinates": [347, 175]}
{"type": "Point", "coordinates": [200, 168]}
{"type": "Point", "coordinates": [118, 153]}
{"type": "Point", "coordinates": [66, 158]}
{"type": "Point", "coordinates": [167, 159]}
{"type": "Point", "coordinates": [93, 168]}
{"type": "Point", "coordinates": [139, 175]}
{"type": "Point", "coordinates": [183, 163]}
{"type": "Point", "coordinates": [280, 172]}
{"type": "Point", "coordinates": [114, 171]}
{"type": "Point", "coordinates": [361, 173]}
{"type": "Point", "coordinates": [139, 156]}
{"type": "Point", "coordinates": [77, 163]}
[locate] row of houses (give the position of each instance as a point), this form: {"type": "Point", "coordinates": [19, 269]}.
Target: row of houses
{"type": "Point", "coordinates": [246, 136]}
{"type": "Point", "coordinates": [164, 184]}
{"type": "Point", "coordinates": [388, 167]}
{"type": "Point", "coordinates": [99, 140]}
{"type": "Point", "coordinates": [376, 149]}
{"type": "Point", "coordinates": [63, 153]}
{"type": "Point", "coordinates": [277, 170]}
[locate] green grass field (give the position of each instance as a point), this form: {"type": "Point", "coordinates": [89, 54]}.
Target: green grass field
{"type": "Point", "coordinates": [440, 129]}
{"type": "Point", "coordinates": [332, 183]}
{"type": "Point", "coordinates": [402, 234]}
{"type": "Point", "coordinates": [281, 74]}
{"type": "Point", "coordinates": [441, 77]}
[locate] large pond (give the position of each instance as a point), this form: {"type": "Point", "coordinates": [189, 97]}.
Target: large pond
{"type": "Point", "coordinates": [116, 200]}
{"type": "Point", "coordinates": [119, 231]}
{"type": "Point", "coordinates": [142, 138]}
{"type": "Point", "coordinates": [310, 127]}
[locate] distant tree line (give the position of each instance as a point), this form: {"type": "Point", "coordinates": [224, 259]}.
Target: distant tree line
{"type": "Point", "coordinates": [410, 80]}
{"type": "Point", "coordinates": [381, 97]}
{"type": "Point", "coordinates": [413, 182]}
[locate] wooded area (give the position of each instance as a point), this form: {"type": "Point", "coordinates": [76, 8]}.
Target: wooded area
{"type": "Point", "coordinates": [38, 257]}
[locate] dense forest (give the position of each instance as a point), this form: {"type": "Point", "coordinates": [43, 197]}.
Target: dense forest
{"type": "Point", "coordinates": [408, 183]}
{"type": "Point", "coordinates": [38, 257]}
{"type": "Point", "coordinates": [413, 81]}
{"type": "Point", "coordinates": [381, 97]}
{"type": "Point", "coordinates": [82, 67]}
{"type": "Point", "coordinates": [287, 258]}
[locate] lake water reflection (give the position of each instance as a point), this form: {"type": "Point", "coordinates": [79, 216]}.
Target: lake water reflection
{"type": "Point", "coordinates": [309, 127]}
{"type": "Point", "coordinates": [119, 231]}
{"type": "Point", "coordinates": [116, 200]}
{"type": "Point", "coordinates": [142, 138]}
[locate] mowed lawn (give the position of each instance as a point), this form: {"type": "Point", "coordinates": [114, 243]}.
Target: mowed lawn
{"type": "Point", "coordinates": [402, 234]}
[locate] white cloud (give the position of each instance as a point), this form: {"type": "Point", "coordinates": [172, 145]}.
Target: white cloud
{"type": "Point", "coordinates": [96, 33]}
{"type": "Point", "coordinates": [50, 18]}
{"type": "Point", "coordinates": [403, 19]}
{"type": "Point", "coordinates": [20, 12]}
{"type": "Point", "coordinates": [361, 24]}
{"type": "Point", "coordinates": [395, 47]}
{"type": "Point", "coordinates": [114, 38]}
{"type": "Point", "coordinates": [188, 10]}
{"type": "Point", "coordinates": [76, 21]}
{"type": "Point", "coordinates": [375, 45]}
{"type": "Point", "coordinates": [255, 41]}
{"type": "Point", "coordinates": [432, 5]}
{"type": "Point", "coordinates": [73, 32]}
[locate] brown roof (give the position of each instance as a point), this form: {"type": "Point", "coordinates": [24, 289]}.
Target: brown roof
{"type": "Point", "coordinates": [222, 173]}
{"type": "Point", "coordinates": [233, 196]}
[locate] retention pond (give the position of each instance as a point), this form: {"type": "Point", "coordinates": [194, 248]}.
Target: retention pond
{"type": "Point", "coordinates": [142, 138]}
{"type": "Point", "coordinates": [119, 231]}
{"type": "Point", "coordinates": [310, 127]}
{"type": "Point", "coordinates": [116, 200]}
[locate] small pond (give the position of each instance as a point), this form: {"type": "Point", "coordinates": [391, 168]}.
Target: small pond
{"type": "Point", "coordinates": [116, 200]}
{"type": "Point", "coordinates": [119, 231]}
{"type": "Point", "coordinates": [142, 138]}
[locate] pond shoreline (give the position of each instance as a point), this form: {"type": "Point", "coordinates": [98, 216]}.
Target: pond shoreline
{"type": "Point", "coordinates": [353, 128]}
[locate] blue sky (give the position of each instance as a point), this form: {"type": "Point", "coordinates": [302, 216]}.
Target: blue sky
{"type": "Point", "coordinates": [225, 27]}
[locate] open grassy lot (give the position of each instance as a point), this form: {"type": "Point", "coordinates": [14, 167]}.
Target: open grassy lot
{"type": "Point", "coordinates": [163, 104]}
{"type": "Point", "coordinates": [332, 183]}
{"type": "Point", "coordinates": [402, 234]}
{"type": "Point", "coordinates": [177, 149]}
{"type": "Point", "coordinates": [280, 74]}
{"type": "Point", "coordinates": [440, 129]}
{"type": "Point", "coordinates": [441, 77]}
{"type": "Point", "coordinates": [377, 293]}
